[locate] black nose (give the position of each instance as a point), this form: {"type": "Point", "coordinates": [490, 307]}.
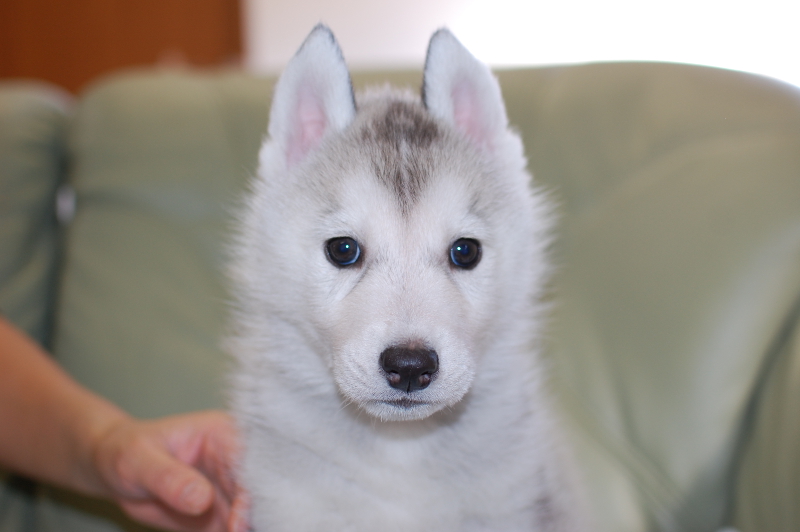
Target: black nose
{"type": "Point", "coordinates": [409, 368]}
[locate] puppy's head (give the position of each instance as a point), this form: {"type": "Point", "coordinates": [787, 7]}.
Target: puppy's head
{"type": "Point", "coordinates": [405, 227]}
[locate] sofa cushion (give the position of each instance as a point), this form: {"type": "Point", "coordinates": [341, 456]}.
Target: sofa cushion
{"type": "Point", "coordinates": [159, 162]}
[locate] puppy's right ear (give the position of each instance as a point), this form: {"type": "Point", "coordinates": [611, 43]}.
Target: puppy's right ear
{"type": "Point", "coordinates": [459, 89]}
{"type": "Point", "coordinates": [313, 97]}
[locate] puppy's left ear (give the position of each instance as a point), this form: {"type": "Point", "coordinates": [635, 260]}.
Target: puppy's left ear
{"type": "Point", "coordinates": [459, 89]}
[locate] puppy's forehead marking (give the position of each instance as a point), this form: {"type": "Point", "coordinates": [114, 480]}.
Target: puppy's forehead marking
{"type": "Point", "coordinates": [400, 140]}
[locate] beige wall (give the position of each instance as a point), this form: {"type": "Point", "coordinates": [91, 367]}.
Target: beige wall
{"type": "Point", "coordinates": [752, 35]}
{"type": "Point", "coordinates": [385, 33]}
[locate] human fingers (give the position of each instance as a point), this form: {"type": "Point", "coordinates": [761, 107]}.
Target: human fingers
{"type": "Point", "coordinates": [155, 513]}
{"type": "Point", "coordinates": [219, 455]}
{"type": "Point", "coordinates": [176, 484]}
{"type": "Point", "coordinates": [136, 463]}
{"type": "Point", "coordinates": [239, 519]}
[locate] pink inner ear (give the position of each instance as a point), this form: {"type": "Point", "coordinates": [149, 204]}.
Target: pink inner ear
{"type": "Point", "coordinates": [309, 126]}
{"type": "Point", "coordinates": [468, 115]}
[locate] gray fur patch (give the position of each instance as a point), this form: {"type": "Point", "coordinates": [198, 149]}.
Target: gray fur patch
{"type": "Point", "coordinates": [402, 137]}
{"type": "Point", "coordinates": [545, 513]}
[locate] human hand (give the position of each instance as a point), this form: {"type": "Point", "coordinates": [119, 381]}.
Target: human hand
{"type": "Point", "coordinates": [175, 472]}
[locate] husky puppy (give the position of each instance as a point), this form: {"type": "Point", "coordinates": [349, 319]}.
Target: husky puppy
{"type": "Point", "coordinates": [386, 274]}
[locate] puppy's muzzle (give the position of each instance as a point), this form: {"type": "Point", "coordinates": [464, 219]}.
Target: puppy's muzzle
{"type": "Point", "coordinates": [409, 368]}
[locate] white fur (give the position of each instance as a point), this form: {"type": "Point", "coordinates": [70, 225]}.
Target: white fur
{"type": "Point", "coordinates": [327, 446]}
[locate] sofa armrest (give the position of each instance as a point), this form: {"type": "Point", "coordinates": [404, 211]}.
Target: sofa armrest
{"type": "Point", "coordinates": [33, 123]}
{"type": "Point", "coordinates": [768, 485]}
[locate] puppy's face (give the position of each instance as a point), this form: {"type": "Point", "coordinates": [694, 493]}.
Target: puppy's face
{"type": "Point", "coordinates": [402, 291]}
{"type": "Point", "coordinates": [396, 226]}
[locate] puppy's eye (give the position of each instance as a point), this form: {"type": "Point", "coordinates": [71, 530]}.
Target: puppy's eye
{"type": "Point", "coordinates": [342, 251]}
{"type": "Point", "coordinates": [465, 253]}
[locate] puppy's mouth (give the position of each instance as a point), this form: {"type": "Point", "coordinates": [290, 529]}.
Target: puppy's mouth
{"type": "Point", "coordinates": [400, 408]}
{"type": "Point", "coordinates": [405, 403]}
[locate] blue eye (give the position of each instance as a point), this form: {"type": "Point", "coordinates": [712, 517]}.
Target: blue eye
{"type": "Point", "coordinates": [465, 253]}
{"type": "Point", "coordinates": [342, 251]}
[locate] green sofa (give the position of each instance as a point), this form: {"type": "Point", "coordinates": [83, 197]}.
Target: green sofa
{"type": "Point", "coordinates": [675, 337]}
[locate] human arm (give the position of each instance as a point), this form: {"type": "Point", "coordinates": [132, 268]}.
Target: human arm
{"type": "Point", "coordinates": [173, 472]}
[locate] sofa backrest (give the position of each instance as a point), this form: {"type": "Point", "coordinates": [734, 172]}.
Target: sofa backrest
{"type": "Point", "coordinates": [158, 164]}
